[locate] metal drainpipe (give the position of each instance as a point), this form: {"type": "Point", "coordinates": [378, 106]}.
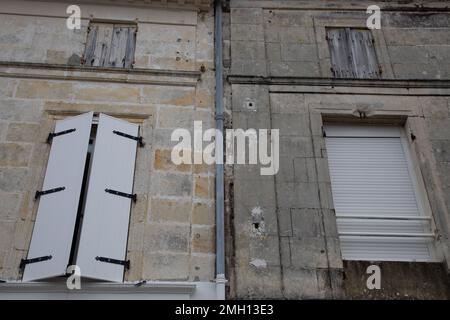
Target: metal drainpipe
{"type": "Point", "coordinates": [220, 234]}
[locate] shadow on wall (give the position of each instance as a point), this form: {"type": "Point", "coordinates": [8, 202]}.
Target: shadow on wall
{"type": "Point", "coordinates": [399, 280]}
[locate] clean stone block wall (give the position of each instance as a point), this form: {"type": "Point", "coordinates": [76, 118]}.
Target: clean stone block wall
{"type": "Point", "coordinates": [172, 226]}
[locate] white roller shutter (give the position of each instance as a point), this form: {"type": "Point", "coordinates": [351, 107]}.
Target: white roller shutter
{"type": "Point", "coordinates": [379, 216]}
{"type": "Point", "coordinates": [57, 212]}
{"type": "Point", "coordinates": [104, 230]}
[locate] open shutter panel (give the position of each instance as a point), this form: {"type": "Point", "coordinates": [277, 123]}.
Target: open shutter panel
{"type": "Point", "coordinates": [378, 215]}
{"type": "Point", "coordinates": [104, 230]}
{"type": "Point", "coordinates": [341, 60]}
{"type": "Point", "coordinates": [57, 212]}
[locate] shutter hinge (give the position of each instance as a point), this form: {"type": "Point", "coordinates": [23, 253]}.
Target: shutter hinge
{"type": "Point", "coordinates": [43, 193]}
{"type": "Point", "coordinates": [122, 194]}
{"type": "Point", "coordinates": [56, 134]}
{"type": "Point", "coordinates": [125, 263]}
{"type": "Point", "coordinates": [324, 133]}
{"type": "Point", "coordinates": [138, 139]}
{"type": "Point", "coordinates": [413, 136]}
{"type": "Point", "coordinates": [24, 262]}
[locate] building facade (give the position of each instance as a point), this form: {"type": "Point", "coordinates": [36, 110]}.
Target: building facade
{"type": "Point", "coordinates": [132, 72]}
{"type": "Point", "coordinates": [363, 118]}
{"type": "Point", "coordinates": [358, 206]}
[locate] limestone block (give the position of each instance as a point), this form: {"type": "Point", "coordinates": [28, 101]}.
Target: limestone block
{"type": "Point", "coordinates": [14, 155]}
{"type": "Point", "coordinates": [165, 210]}
{"type": "Point", "coordinates": [166, 237]}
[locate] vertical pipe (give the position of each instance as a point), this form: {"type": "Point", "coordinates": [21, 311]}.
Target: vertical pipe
{"type": "Point", "coordinates": [220, 236]}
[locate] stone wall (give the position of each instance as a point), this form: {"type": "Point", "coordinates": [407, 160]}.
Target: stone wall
{"type": "Point", "coordinates": [278, 40]}
{"type": "Point", "coordinates": [172, 233]}
{"type": "Point", "coordinates": [294, 252]}
{"type": "Point", "coordinates": [278, 61]}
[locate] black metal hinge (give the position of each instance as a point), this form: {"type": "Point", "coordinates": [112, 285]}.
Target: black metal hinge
{"type": "Point", "coordinates": [125, 263]}
{"type": "Point", "coordinates": [24, 262]}
{"type": "Point", "coordinates": [56, 134]}
{"type": "Point", "coordinates": [125, 135]}
{"type": "Point", "coordinates": [122, 194]}
{"type": "Point", "coordinates": [43, 193]}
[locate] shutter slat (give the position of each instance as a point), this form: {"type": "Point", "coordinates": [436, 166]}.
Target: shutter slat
{"type": "Point", "coordinates": [105, 225]}
{"type": "Point", "coordinates": [130, 48]}
{"type": "Point", "coordinates": [57, 212]}
{"type": "Point", "coordinates": [91, 43]}
{"type": "Point", "coordinates": [370, 177]}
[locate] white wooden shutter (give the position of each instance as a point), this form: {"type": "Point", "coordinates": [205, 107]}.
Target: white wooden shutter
{"type": "Point", "coordinates": [57, 212]}
{"type": "Point", "coordinates": [379, 216]}
{"type": "Point", "coordinates": [104, 230]}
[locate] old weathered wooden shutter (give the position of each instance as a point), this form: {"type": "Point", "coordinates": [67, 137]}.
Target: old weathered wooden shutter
{"type": "Point", "coordinates": [341, 60]}
{"type": "Point", "coordinates": [353, 53]}
{"type": "Point", "coordinates": [364, 54]}
{"type": "Point", "coordinates": [98, 44]}
{"type": "Point", "coordinates": [110, 45]}
{"type": "Point", "coordinates": [103, 240]}
{"type": "Point", "coordinates": [122, 46]}
{"type": "Point", "coordinates": [51, 241]}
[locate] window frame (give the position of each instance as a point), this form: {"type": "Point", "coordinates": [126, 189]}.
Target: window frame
{"type": "Point", "coordinates": [393, 131]}
{"type": "Point", "coordinates": [337, 21]}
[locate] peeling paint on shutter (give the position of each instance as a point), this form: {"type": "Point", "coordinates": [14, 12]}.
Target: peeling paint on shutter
{"type": "Point", "coordinates": [353, 54]}
{"type": "Point", "coordinates": [341, 60]}
{"type": "Point", "coordinates": [118, 47]}
{"type": "Point", "coordinates": [90, 45]}
{"type": "Point", "coordinates": [110, 45]}
{"type": "Point", "coordinates": [364, 55]}
{"type": "Point", "coordinates": [131, 45]}
{"type": "Point", "coordinates": [101, 52]}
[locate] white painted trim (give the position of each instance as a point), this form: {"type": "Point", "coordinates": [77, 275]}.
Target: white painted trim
{"type": "Point", "coordinates": [362, 131]}
{"type": "Point", "coordinates": [151, 290]}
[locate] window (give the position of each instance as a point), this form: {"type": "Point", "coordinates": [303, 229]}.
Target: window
{"type": "Point", "coordinates": [110, 45]}
{"type": "Point", "coordinates": [84, 205]}
{"type": "Point", "coordinates": [380, 216]}
{"type": "Point", "coordinates": [353, 53]}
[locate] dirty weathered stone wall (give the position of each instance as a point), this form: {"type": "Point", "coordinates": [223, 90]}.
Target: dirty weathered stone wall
{"type": "Point", "coordinates": [171, 233]}
{"type": "Point", "coordinates": [284, 38]}
{"type": "Point", "coordinates": [284, 232]}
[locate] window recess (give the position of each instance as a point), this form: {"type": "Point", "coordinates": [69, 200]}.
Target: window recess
{"type": "Point", "coordinates": [83, 224]}
{"type": "Point", "coordinates": [379, 211]}
{"type": "Point", "coordinates": [353, 53]}
{"type": "Point", "coordinates": [110, 45]}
